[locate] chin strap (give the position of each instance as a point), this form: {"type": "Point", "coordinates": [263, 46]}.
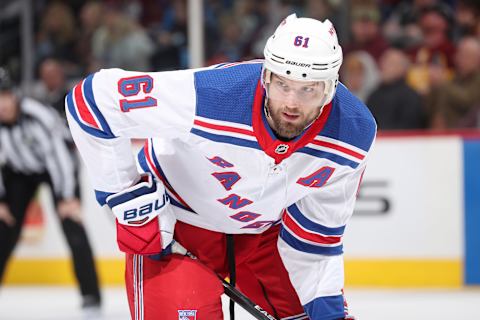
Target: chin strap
{"type": "Point", "coordinates": [265, 108]}
{"type": "Point", "coordinates": [266, 76]}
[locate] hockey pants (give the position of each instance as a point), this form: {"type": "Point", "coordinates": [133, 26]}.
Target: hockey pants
{"type": "Point", "coordinates": [177, 287]}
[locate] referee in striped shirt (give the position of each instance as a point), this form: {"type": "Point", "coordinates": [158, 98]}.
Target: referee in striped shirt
{"type": "Point", "coordinates": [33, 150]}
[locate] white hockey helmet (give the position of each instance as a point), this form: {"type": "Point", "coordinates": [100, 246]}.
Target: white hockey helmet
{"type": "Point", "coordinates": [305, 49]}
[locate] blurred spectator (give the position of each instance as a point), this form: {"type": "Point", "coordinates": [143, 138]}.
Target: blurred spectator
{"type": "Point", "coordinates": [230, 46]}
{"type": "Point", "coordinates": [360, 74]}
{"type": "Point", "coordinates": [52, 86]}
{"type": "Point", "coordinates": [272, 13]}
{"type": "Point", "coordinates": [57, 36]}
{"type": "Point", "coordinates": [250, 17]}
{"type": "Point", "coordinates": [366, 35]}
{"type": "Point", "coordinates": [90, 18]}
{"type": "Point", "coordinates": [238, 31]}
{"type": "Point", "coordinates": [327, 9]}
{"type": "Point", "coordinates": [34, 150]}
{"type": "Point", "coordinates": [152, 12]}
{"type": "Point", "coordinates": [170, 37]}
{"type": "Point", "coordinates": [10, 35]}
{"type": "Point", "coordinates": [121, 43]}
{"type": "Point", "coordinates": [319, 9]}
{"type": "Point", "coordinates": [133, 9]}
{"type": "Point", "coordinates": [394, 104]}
{"type": "Point", "coordinates": [436, 49]}
{"type": "Point", "coordinates": [435, 24]}
{"type": "Point", "coordinates": [456, 103]}
{"type": "Point", "coordinates": [401, 28]}
{"type": "Point", "coordinates": [467, 15]}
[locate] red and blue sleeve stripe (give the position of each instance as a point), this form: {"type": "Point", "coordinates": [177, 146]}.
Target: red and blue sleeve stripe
{"type": "Point", "coordinates": [308, 236]}
{"type": "Point", "coordinates": [82, 106]}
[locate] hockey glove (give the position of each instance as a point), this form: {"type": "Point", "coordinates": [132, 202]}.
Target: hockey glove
{"type": "Point", "coordinates": [144, 219]}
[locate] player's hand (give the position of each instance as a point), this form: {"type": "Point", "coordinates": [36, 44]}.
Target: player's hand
{"type": "Point", "coordinates": [145, 220]}
{"type": "Point", "coordinates": [6, 215]}
{"type": "Point", "coordinates": [70, 208]}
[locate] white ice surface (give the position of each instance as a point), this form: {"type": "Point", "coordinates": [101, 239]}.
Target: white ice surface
{"type": "Point", "coordinates": [55, 303]}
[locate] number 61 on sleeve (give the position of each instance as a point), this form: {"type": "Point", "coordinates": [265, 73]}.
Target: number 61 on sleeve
{"type": "Point", "coordinates": [130, 87]}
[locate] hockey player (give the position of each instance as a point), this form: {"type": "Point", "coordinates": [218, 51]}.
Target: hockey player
{"type": "Point", "coordinates": [253, 167]}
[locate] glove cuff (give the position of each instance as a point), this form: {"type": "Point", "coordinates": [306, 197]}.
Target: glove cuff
{"type": "Point", "coordinates": [143, 239]}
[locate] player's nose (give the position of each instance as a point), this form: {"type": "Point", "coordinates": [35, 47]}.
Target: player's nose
{"type": "Point", "coordinates": [292, 109]}
{"type": "Point", "coordinates": [292, 100]}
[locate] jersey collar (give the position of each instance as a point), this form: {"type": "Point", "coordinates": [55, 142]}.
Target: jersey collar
{"type": "Point", "coordinates": [273, 147]}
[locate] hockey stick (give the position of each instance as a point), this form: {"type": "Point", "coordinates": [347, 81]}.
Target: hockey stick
{"type": "Point", "coordinates": [243, 301]}
{"type": "Point", "coordinates": [232, 292]}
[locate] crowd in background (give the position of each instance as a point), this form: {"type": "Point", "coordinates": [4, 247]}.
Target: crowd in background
{"type": "Point", "coordinates": [416, 64]}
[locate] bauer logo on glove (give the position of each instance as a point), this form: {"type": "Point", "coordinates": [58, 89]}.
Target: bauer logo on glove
{"type": "Point", "coordinates": [140, 203]}
{"type": "Point", "coordinates": [146, 209]}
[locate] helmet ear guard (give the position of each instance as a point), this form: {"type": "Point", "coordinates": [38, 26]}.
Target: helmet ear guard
{"type": "Point", "coordinates": [304, 49]}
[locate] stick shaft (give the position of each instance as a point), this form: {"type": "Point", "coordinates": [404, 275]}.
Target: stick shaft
{"type": "Point", "coordinates": [243, 301]}
{"type": "Point", "coordinates": [232, 292]}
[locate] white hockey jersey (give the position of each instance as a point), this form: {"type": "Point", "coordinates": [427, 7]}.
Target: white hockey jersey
{"type": "Point", "coordinates": [224, 169]}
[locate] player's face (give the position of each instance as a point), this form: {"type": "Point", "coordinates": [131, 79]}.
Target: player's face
{"type": "Point", "coordinates": [8, 107]}
{"type": "Point", "coordinates": [293, 105]}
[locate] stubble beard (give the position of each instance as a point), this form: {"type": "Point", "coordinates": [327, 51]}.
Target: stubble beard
{"type": "Point", "coordinates": [285, 130]}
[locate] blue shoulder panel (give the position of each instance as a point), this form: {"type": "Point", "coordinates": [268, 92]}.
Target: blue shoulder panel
{"type": "Point", "coordinates": [350, 120]}
{"type": "Point", "coordinates": [227, 93]}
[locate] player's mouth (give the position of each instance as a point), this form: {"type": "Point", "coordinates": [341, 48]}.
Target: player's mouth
{"type": "Point", "coordinates": [290, 116]}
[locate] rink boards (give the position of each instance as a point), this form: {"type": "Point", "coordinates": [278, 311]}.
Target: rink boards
{"type": "Point", "coordinates": [415, 224]}
{"type": "Point", "coordinates": [417, 212]}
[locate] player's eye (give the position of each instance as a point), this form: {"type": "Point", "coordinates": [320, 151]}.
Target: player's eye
{"type": "Point", "coordinates": [307, 89]}
{"type": "Point", "coordinates": [282, 86]}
